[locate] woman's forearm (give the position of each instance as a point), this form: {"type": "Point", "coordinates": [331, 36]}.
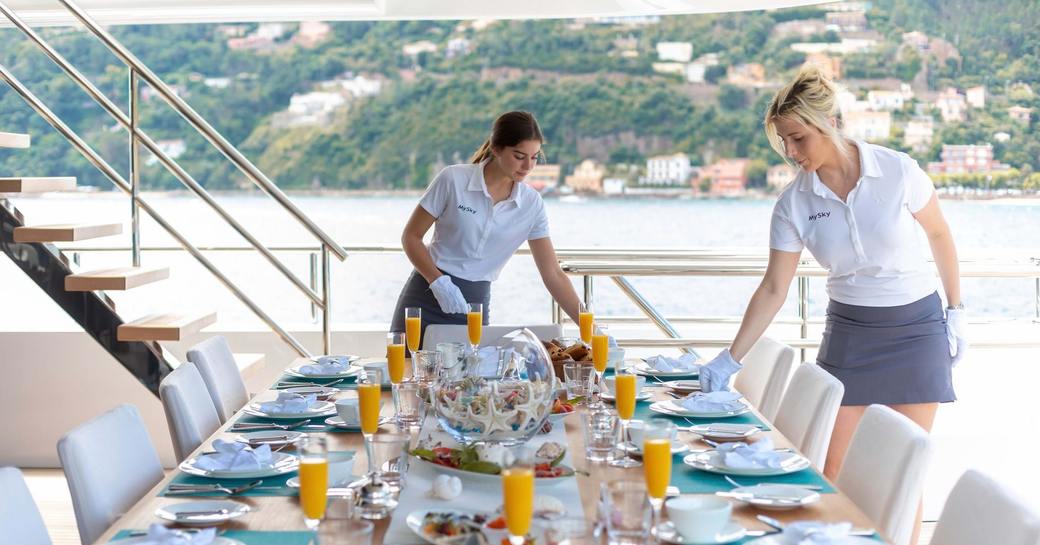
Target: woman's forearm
{"type": "Point", "coordinates": [420, 257]}
{"type": "Point", "coordinates": [944, 251]}
{"type": "Point", "coordinates": [562, 291]}
{"type": "Point", "coordinates": [761, 310]}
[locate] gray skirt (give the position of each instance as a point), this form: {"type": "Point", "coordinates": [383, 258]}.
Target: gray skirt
{"type": "Point", "coordinates": [889, 355]}
{"type": "Point", "coordinates": [417, 293]}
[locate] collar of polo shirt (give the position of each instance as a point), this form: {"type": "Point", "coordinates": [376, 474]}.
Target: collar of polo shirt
{"type": "Point", "coordinates": [477, 183]}
{"type": "Point", "coordinates": [868, 168]}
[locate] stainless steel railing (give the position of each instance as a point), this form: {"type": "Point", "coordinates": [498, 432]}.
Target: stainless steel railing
{"type": "Point", "coordinates": [137, 137]}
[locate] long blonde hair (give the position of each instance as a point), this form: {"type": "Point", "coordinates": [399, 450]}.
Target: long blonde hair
{"type": "Point", "coordinates": [812, 99]}
{"type": "Point", "coordinates": [509, 129]}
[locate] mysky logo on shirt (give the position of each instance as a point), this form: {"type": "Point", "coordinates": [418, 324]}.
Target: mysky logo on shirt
{"type": "Point", "coordinates": [465, 208]}
{"type": "Point", "coordinates": [819, 215]}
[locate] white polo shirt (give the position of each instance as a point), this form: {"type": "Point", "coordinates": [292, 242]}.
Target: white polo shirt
{"type": "Point", "coordinates": [472, 238]}
{"type": "Point", "coordinates": [872, 247]}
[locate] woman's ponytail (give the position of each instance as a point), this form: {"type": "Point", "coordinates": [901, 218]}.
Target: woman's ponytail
{"type": "Point", "coordinates": [482, 153]}
{"type": "Point", "coordinates": [509, 129]}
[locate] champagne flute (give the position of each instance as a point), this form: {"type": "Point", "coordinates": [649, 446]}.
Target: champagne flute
{"type": "Point", "coordinates": [657, 462]}
{"type": "Point", "coordinates": [395, 364]}
{"type": "Point", "coordinates": [413, 327]}
{"type": "Point", "coordinates": [314, 479]}
{"type": "Point", "coordinates": [585, 323]}
{"type": "Point", "coordinates": [600, 353]}
{"type": "Point", "coordinates": [625, 400]}
{"type": "Point", "coordinates": [475, 323]}
{"type": "Point", "coordinates": [518, 499]}
{"type": "Point", "coordinates": [369, 393]}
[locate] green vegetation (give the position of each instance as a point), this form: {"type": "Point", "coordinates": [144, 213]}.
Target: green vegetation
{"type": "Point", "coordinates": [592, 87]}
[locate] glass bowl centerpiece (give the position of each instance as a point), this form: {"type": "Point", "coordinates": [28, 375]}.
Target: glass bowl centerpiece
{"type": "Point", "coordinates": [504, 395]}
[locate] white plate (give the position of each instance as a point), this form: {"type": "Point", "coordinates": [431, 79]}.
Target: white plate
{"type": "Point", "coordinates": [683, 386]}
{"type": "Point", "coordinates": [731, 532]}
{"type": "Point", "coordinates": [414, 520]}
{"type": "Point", "coordinates": [348, 372]}
{"type": "Point", "coordinates": [495, 480]}
{"type": "Point", "coordinates": [558, 417]}
{"type": "Point", "coordinates": [321, 392]}
{"type": "Point", "coordinates": [777, 539]}
{"type": "Point", "coordinates": [671, 409]}
{"type": "Point", "coordinates": [283, 463]}
{"type": "Point", "coordinates": [643, 368]}
{"type": "Point", "coordinates": [643, 396]}
{"type": "Point", "coordinates": [713, 462]}
{"type": "Point", "coordinates": [718, 431]}
{"type": "Point", "coordinates": [319, 408]}
{"type": "Point", "coordinates": [337, 422]}
{"type": "Point", "coordinates": [776, 497]}
{"type": "Point", "coordinates": [275, 438]}
{"type": "Point", "coordinates": [202, 513]}
{"type": "Point", "coordinates": [678, 447]}
{"type": "Point", "coordinates": [219, 540]}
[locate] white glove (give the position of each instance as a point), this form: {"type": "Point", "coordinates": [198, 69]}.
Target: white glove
{"type": "Point", "coordinates": [714, 375]}
{"type": "Point", "coordinates": [448, 295]}
{"type": "Point", "coordinates": [956, 333]}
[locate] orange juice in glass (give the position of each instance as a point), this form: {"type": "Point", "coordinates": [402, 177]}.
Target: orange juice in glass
{"type": "Point", "coordinates": [657, 462]}
{"type": "Point", "coordinates": [314, 479]}
{"type": "Point", "coordinates": [600, 350]}
{"type": "Point", "coordinates": [413, 327]}
{"type": "Point", "coordinates": [395, 357]}
{"type": "Point", "coordinates": [518, 499]}
{"type": "Point", "coordinates": [585, 324]}
{"type": "Point", "coordinates": [369, 394]}
{"type": "Point", "coordinates": [625, 400]}
{"type": "Point", "coordinates": [475, 323]}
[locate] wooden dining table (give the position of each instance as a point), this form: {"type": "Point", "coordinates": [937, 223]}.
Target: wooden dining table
{"type": "Point", "coordinates": [283, 512]}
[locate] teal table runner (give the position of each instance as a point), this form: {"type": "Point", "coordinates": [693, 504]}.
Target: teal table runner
{"type": "Point", "coordinates": [271, 486]}
{"type": "Point", "coordinates": [316, 424]}
{"type": "Point", "coordinates": [249, 537]}
{"type": "Point", "coordinates": [695, 481]}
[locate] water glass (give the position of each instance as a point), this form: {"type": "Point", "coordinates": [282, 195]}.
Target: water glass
{"type": "Point", "coordinates": [568, 531]}
{"type": "Point", "coordinates": [576, 378]}
{"type": "Point", "coordinates": [627, 511]}
{"type": "Point", "coordinates": [426, 365]}
{"type": "Point", "coordinates": [408, 404]}
{"type": "Point", "coordinates": [451, 359]}
{"type": "Point", "coordinates": [341, 527]}
{"type": "Point", "coordinates": [600, 429]}
{"type": "Point", "coordinates": [388, 457]}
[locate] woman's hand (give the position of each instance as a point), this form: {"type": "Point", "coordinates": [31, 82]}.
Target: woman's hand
{"type": "Point", "coordinates": [449, 296]}
{"type": "Point", "coordinates": [714, 375]}
{"type": "Point", "coordinates": [956, 333]}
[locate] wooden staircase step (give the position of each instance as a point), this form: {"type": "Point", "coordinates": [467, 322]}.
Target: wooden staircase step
{"type": "Point", "coordinates": [119, 279]}
{"type": "Point", "coordinates": [165, 327]}
{"type": "Point", "coordinates": [36, 185]}
{"type": "Point", "coordinates": [66, 232]}
{"type": "Point", "coordinates": [14, 140]}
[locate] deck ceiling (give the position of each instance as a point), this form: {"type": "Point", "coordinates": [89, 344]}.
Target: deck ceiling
{"type": "Point", "coordinates": [115, 12]}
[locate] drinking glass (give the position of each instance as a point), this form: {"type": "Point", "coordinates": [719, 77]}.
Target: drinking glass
{"type": "Point", "coordinates": [413, 327]}
{"type": "Point", "coordinates": [387, 457]}
{"type": "Point", "coordinates": [600, 352]}
{"type": "Point", "coordinates": [426, 367]}
{"type": "Point", "coordinates": [657, 462]}
{"type": "Point", "coordinates": [451, 358]}
{"type": "Point", "coordinates": [408, 404]}
{"type": "Point", "coordinates": [628, 514]}
{"type": "Point", "coordinates": [585, 323]}
{"type": "Point", "coordinates": [625, 401]}
{"type": "Point", "coordinates": [568, 531]}
{"type": "Point", "coordinates": [314, 478]}
{"type": "Point", "coordinates": [369, 396]}
{"type": "Point", "coordinates": [395, 363]}
{"type": "Point", "coordinates": [599, 427]}
{"type": "Point", "coordinates": [518, 499]}
{"type": "Point", "coordinates": [475, 323]}
{"type": "Point", "coordinates": [576, 378]}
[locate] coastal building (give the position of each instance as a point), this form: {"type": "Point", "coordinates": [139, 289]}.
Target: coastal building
{"type": "Point", "coordinates": [415, 49]}
{"type": "Point", "coordinates": [846, 21]}
{"type": "Point", "coordinates": [951, 105]}
{"type": "Point", "coordinates": [676, 68]}
{"type": "Point", "coordinates": [312, 33]}
{"type": "Point", "coordinates": [885, 100]}
{"type": "Point", "coordinates": [847, 46]}
{"type": "Point", "coordinates": [1021, 114]}
{"type": "Point", "coordinates": [727, 177]}
{"type": "Point", "coordinates": [587, 177]}
{"type": "Point", "coordinates": [917, 40]}
{"type": "Point", "coordinates": [751, 74]}
{"type": "Point", "coordinates": [919, 133]}
{"type": "Point", "coordinates": [778, 176]}
{"type": "Point", "coordinates": [803, 28]}
{"type": "Point", "coordinates": [458, 47]}
{"type": "Point", "coordinates": [976, 96]}
{"type": "Point", "coordinates": [672, 169]}
{"type": "Point", "coordinates": [869, 126]}
{"type": "Point", "coordinates": [172, 148]}
{"type": "Point", "coordinates": [829, 66]}
{"type": "Point", "coordinates": [674, 51]}
{"type": "Point", "coordinates": [966, 159]}
{"type": "Point", "coordinates": [614, 186]}
{"type": "Point", "coordinates": [543, 177]}
{"type": "Point", "coordinates": [696, 70]}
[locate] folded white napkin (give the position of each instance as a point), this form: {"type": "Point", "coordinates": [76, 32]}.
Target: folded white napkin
{"type": "Point", "coordinates": [686, 362]}
{"type": "Point", "coordinates": [326, 365]}
{"type": "Point", "coordinates": [759, 454]}
{"type": "Point", "coordinates": [234, 456]}
{"type": "Point", "coordinates": [807, 532]}
{"type": "Point", "coordinates": [289, 402]}
{"type": "Point", "coordinates": [712, 402]}
{"type": "Point", "coordinates": [161, 535]}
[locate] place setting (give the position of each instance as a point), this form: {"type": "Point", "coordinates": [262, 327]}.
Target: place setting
{"type": "Point", "coordinates": [722, 404]}
{"type": "Point", "coordinates": [663, 367]}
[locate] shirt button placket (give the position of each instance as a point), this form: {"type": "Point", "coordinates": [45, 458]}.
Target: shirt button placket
{"type": "Point", "coordinates": [857, 245]}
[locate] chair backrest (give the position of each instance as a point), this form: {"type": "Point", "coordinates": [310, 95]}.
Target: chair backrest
{"type": "Point", "coordinates": [979, 510]}
{"type": "Point", "coordinates": [20, 521]}
{"type": "Point", "coordinates": [767, 370]}
{"type": "Point", "coordinates": [190, 413]}
{"type": "Point", "coordinates": [884, 469]}
{"type": "Point", "coordinates": [445, 333]}
{"type": "Point", "coordinates": [219, 371]}
{"type": "Point", "coordinates": [109, 464]}
{"type": "Point", "coordinates": [807, 413]}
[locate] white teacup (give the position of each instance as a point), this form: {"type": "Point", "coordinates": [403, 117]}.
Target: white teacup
{"type": "Point", "coordinates": [341, 468]}
{"type": "Point", "coordinates": [699, 518]}
{"type": "Point", "coordinates": [640, 382]}
{"type": "Point", "coordinates": [382, 366]}
{"type": "Point", "coordinates": [347, 409]}
{"type": "Point", "coordinates": [635, 432]}
{"type": "Point", "coordinates": [615, 356]}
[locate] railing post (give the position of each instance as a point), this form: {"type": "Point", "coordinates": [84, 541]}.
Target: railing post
{"type": "Point", "coordinates": [557, 315]}
{"type": "Point", "coordinates": [135, 181]}
{"type": "Point", "coordinates": [803, 307]}
{"type": "Point", "coordinates": [588, 291]}
{"type": "Point", "coordinates": [326, 297]}
{"type": "Point", "coordinates": [314, 283]}
{"type": "Point", "coordinates": [1036, 305]}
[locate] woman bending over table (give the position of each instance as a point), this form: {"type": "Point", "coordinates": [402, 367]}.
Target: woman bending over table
{"type": "Point", "coordinates": [481, 213]}
{"type": "Point", "coordinates": [863, 212]}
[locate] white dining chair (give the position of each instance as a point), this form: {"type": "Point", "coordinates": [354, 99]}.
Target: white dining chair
{"type": "Point", "coordinates": [979, 510]}
{"type": "Point", "coordinates": [109, 464]}
{"type": "Point", "coordinates": [884, 470]}
{"type": "Point", "coordinates": [448, 333]}
{"type": "Point", "coordinates": [767, 369]}
{"type": "Point", "coordinates": [20, 520]}
{"type": "Point", "coordinates": [219, 371]}
{"type": "Point", "coordinates": [190, 413]}
{"type": "Point", "coordinates": [807, 413]}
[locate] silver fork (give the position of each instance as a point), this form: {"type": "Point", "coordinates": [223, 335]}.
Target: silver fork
{"type": "Point", "coordinates": [215, 487]}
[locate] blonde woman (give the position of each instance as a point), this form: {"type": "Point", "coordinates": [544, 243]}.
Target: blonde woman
{"type": "Point", "coordinates": [863, 211]}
